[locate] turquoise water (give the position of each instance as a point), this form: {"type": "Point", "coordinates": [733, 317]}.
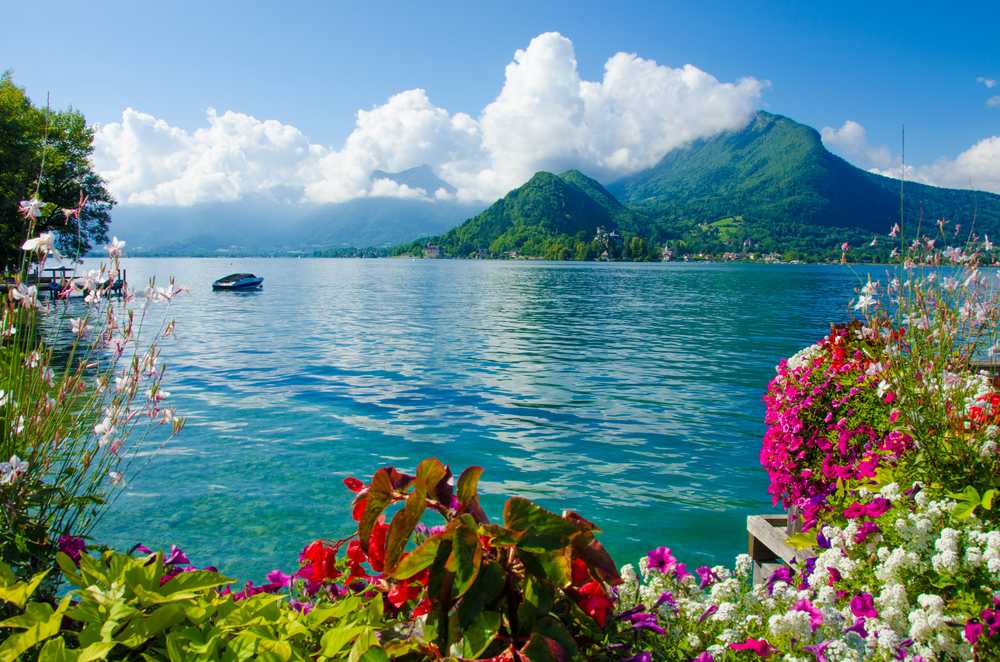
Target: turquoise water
{"type": "Point", "coordinates": [630, 393]}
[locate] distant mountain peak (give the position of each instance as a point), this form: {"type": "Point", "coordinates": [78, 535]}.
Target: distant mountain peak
{"type": "Point", "coordinates": [419, 177]}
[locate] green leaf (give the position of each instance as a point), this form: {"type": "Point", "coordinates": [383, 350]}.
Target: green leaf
{"type": "Point", "coordinates": [498, 536]}
{"type": "Point", "coordinates": [588, 549]}
{"type": "Point", "coordinates": [335, 639]}
{"type": "Point", "coordinates": [423, 556]}
{"type": "Point", "coordinates": [361, 645]}
{"type": "Point", "coordinates": [432, 472]}
{"type": "Point", "coordinates": [539, 593]}
{"type": "Point", "coordinates": [554, 567]}
{"type": "Point", "coordinates": [6, 575]}
{"type": "Point", "coordinates": [963, 509]}
{"type": "Point", "coordinates": [404, 522]}
{"type": "Point", "coordinates": [480, 634]}
{"type": "Point", "coordinates": [374, 654]}
{"type": "Point", "coordinates": [195, 581]}
{"type": "Point", "coordinates": [436, 629]}
{"type": "Point", "coordinates": [16, 644]}
{"type": "Point", "coordinates": [176, 650]}
{"type": "Point", "coordinates": [468, 483]}
{"type": "Point", "coordinates": [19, 592]}
{"type": "Point", "coordinates": [553, 630]}
{"type": "Point", "coordinates": [802, 540]}
{"type": "Point", "coordinates": [546, 531]}
{"type": "Point", "coordinates": [542, 649]}
{"type": "Point", "coordinates": [141, 629]}
{"type": "Point", "coordinates": [68, 567]}
{"type": "Point", "coordinates": [466, 558]}
{"type": "Point", "coordinates": [988, 499]}
{"type": "Point", "coordinates": [488, 585]}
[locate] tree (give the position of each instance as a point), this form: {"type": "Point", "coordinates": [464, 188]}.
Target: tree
{"type": "Point", "coordinates": [27, 134]}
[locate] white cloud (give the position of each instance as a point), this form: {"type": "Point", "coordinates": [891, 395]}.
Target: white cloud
{"type": "Point", "coordinates": [988, 82]}
{"type": "Point", "coordinates": [994, 101]}
{"type": "Point", "coordinates": [386, 188]}
{"type": "Point", "coordinates": [850, 139]}
{"type": "Point", "coordinates": [545, 118]}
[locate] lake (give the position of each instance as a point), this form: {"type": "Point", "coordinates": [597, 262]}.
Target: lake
{"type": "Point", "coordinates": [630, 393]}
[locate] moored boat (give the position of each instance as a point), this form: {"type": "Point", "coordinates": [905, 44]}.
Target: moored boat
{"type": "Point", "coordinates": [238, 282]}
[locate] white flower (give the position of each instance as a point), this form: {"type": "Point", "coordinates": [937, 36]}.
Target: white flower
{"type": "Point", "coordinates": [115, 247]}
{"type": "Point", "coordinates": [116, 477]}
{"type": "Point", "coordinates": [80, 326]}
{"type": "Point", "coordinates": [32, 208]}
{"type": "Point", "coordinates": [27, 295]}
{"type": "Point", "coordinates": [10, 470]}
{"type": "Point", "coordinates": [43, 243]}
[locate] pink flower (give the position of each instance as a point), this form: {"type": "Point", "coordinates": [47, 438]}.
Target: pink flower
{"type": "Point", "coordinates": [815, 616]}
{"type": "Point", "coordinates": [760, 647]}
{"type": "Point", "coordinates": [855, 510]}
{"type": "Point", "coordinates": [973, 631]}
{"type": "Point", "coordinates": [863, 604]}
{"type": "Point", "coordinates": [867, 529]}
{"type": "Point", "coordinates": [879, 507]}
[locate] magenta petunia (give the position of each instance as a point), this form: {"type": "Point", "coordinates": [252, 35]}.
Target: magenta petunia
{"type": "Point", "coordinates": [815, 615]}
{"type": "Point", "coordinates": [863, 605]}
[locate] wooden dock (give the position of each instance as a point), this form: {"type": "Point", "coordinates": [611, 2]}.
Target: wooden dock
{"type": "Point", "coordinates": [768, 545]}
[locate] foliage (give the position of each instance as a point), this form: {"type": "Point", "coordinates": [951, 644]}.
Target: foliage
{"type": "Point", "coordinates": [80, 387]}
{"type": "Point", "coordinates": [535, 586]}
{"type": "Point", "coordinates": [67, 183]}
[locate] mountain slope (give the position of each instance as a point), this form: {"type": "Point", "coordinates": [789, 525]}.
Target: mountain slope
{"type": "Point", "coordinates": [779, 177]}
{"type": "Point", "coordinates": [545, 208]}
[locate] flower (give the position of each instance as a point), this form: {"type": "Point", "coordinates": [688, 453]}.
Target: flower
{"type": "Point", "coordinates": [815, 615]}
{"type": "Point", "coordinates": [759, 646]}
{"type": "Point", "coordinates": [973, 630]}
{"type": "Point", "coordinates": [43, 243]}
{"type": "Point", "coordinates": [863, 604]}
{"type": "Point", "coordinates": [11, 469]}
{"type": "Point", "coordinates": [176, 556]}
{"type": "Point", "coordinates": [115, 247]}
{"type": "Point", "coordinates": [867, 529]}
{"type": "Point", "coordinates": [72, 547]}
{"type": "Point", "coordinates": [80, 327]}
{"type": "Point", "coordinates": [818, 649]}
{"type": "Point", "coordinates": [595, 604]}
{"type": "Point", "coordinates": [31, 208]}
{"type": "Point", "coordinates": [661, 559]}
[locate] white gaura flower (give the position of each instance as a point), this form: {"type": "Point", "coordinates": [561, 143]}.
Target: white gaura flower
{"type": "Point", "coordinates": [32, 208]}
{"type": "Point", "coordinates": [117, 478]}
{"type": "Point", "coordinates": [43, 243]}
{"type": "Point", "coordinates": [27, 296]}
{"type": "Point", "coordinates": [953, 254]}
{"type": "Point", "coordinates": [115, 247]}
{"type": "Point", "coordinates": [11, 469]}
{"type": "Point", "coordinates": [988, 245]}
{"type": "Point", "coordinates": [80, 326]}
{"type": "Point", "coordinates": [866, 301]}
{"type": "Point", "coordinates": [949, 283]}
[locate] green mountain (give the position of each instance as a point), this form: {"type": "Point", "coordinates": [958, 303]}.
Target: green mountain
{"type": "Point", "coordinates": [787, 192]}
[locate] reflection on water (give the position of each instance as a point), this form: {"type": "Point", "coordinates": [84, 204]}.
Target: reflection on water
{"type": "Point", "coordinates": [629, 393]}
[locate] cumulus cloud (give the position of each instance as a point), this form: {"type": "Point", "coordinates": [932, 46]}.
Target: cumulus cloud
{"type": "Point", "coordinates": [980, 164]}
{"type": "Point", "coordinates": [994, 101]}
{"type": "Point", "coordinates": [546, 117]}
{"type": "Point", "coordinates": [988, 82]}
{"type": "Point", "coordinates": [850, 139]}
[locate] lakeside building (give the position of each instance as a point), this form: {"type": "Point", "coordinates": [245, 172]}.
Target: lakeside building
{"type": "Point", "coordinates": [431, 251]}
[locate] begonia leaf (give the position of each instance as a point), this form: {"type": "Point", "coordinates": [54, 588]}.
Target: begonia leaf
{"type": "Point", "coordinates": [545, 531]}
{"type": "Point", "coordinates": [424, 555]}
{"type": "Point", "coordinates": [553, 630]}
{"type": "Point", "coordinates": [988, 499]}
{"type": "Point", "coordinates": [432, 472]}
{"type": "Point", "coordinates": [380, 495]}
{"type": "Point", "coordinates": [542, 649]}
{"type": "Point", "coordinates": [486, 587]}
{"type": "Point", "coordinates": [498, 536]}
{"type": "Point", "coordinates": [480, 634]}
{"type": "Point", "coordinates": [555, 567]}
{"type": "Point", "coordinates": [468, 483]}
{"type": "Point", "coordinates": [404, 522]}
{"type": "Point", "coordinates": [465, 559]}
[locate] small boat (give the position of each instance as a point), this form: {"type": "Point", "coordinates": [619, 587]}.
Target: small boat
{"type": "Point", "coordinates": [238, 282]}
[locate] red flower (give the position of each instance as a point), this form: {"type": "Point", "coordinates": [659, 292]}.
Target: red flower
{"type": "Point", "coordinates": [376, 547]}
{"type": "Point", "coordinates": [596, 604]}
{"type": "Point", "coordinates": [324, 561]}
{"type": "Point", "coordinates": [422, 608]}
{"type": "Point", "coordinates": [354, 485]}
{"type": "Point", "coordinates": [401, 593]}
{"type": "Point", "coordinates": [581, 575]}
{"type": "Point", "coordinates": [359, 510]}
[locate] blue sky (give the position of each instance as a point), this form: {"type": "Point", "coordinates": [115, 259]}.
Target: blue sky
{"type": "Point", "coordinates": [312, 66]}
